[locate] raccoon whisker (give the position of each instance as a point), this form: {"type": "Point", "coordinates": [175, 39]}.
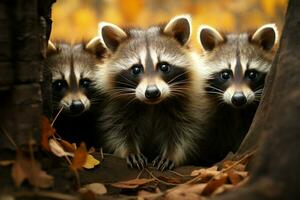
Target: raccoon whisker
{"type": "Point", "coordinates": [114, 98]}
{"type": "Point", "coordinates": [179, 82]}
{"type": "Point", "coordinates": [176, 77]}
{"type": "Point", "coordinates": [128, 84]}
{"type": "Point", "coordinates": [119, 94]}
{"type": "Point", "coordinates": [259, 87]}
{"type": "Point", "coordinates": [215, 88]}
{"type": "Point", "coordinates": [214, 92]}
{"type": "Point", "coordinates": [128, 80]}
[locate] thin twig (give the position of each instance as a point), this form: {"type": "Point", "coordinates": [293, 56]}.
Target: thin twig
{"type": "Point", "coordinates": [140, 173]}
{"type": "Point", "coordinates": [157, 179]}
{"type": "Point", "coordinates": [179, 174]}
{"type": "Point", "coordinates": [55, 118]}
{"type": "Point", "coordinates": [9, 137]}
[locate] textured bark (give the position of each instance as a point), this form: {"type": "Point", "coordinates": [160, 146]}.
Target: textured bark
{"type": "Point", "coordinates": [25, 27]}
{"type": "Point", "coordinates": [275, 170]}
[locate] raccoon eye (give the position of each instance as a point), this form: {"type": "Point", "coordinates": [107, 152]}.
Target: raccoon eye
{"type": "Point", "coordinates": [137, 69]}
{"type": "Point", "coordinates": [59, 85]}
{"type": "Point", "coordinates": [85, 83]}
{"type": "Point", "coordinates": [252, 74]}
{"type": "Point", "coordinates": [225, 75]}
{"type": "Point", "coordinates": [164, 67]}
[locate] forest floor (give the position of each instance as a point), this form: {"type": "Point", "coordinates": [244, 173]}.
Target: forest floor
{"type": "Point", "coordinates": [61, 170]}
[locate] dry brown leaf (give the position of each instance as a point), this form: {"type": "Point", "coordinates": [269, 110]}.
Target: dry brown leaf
{"type": "Point", "coordinates": [212, 171]}
{"type": "Point", "coordinates": [143, 194]}
{"type": "Point", "coordinates": [242, 174]}
{"type": "Point", "coordinates": [214, 184]}
{"type": "Point", "coordinates": [26, 168]}
{"type": "Point", "coordinates": [186, 191]}
{"type": "Point", "coordinates": [47, 131]}
{"type": "Point", "coordinates": [96, 188]}
{"type": "Point", "coordinates": [90, 162]}
{"type": "Point", "coordinates": [131, 184]}
{"type": "Point", "coordinates": [80, 157]}
{"type": "Point", "coordinates": [222, 189]}
{"type": "Point", "coordinates": [5, 163]}
{"type": "Point", "coordinates": [67, 146]}
{"type": "Point", "coordinates": [233, 165]}
{"type": "Point", "coordinates": [18, 175]}
{"type": "Point", "coordinates": [234, 178]}
{"type": "Point", "coordinates": [57, 149]}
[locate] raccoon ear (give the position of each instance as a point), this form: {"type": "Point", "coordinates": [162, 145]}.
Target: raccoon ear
{"type": "Point", "coordinates": [95, 47]}
{"type": "Point", "coordinates": [209, 37]}
{"type": "Point", "coordinates": [266, 36]}
{"type": "Point", "coordinates": [51, 48]}
{"type": "Point", "coordinates": [180, 28]}
{"type": "Point", "coordinates": [111, 35]}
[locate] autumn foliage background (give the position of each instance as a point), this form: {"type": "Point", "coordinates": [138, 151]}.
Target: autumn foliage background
{"type": "Point", "coordinates": [77, 20]}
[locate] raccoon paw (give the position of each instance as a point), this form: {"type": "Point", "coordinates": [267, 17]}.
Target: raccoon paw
{"type": "Point", "coordinates": [138, 161]}
{"type": "Point", "coordinates": [163, 164]}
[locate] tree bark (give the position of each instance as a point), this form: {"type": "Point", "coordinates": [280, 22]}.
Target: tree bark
{"type": "Point", "coordinates": [25, 28]}
{"type": "Point", "coordinates": [276, 128]}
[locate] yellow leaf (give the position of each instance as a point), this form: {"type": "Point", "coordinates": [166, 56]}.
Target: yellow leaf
{"type": "Point", "coordinates": [90, 162]}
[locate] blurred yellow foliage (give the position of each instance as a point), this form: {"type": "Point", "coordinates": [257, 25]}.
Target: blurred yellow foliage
{"type": "Point", "coordinates": [75, 20]}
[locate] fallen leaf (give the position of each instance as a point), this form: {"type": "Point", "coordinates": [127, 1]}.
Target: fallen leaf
{"type": "Point", "coordinates": [47, 131]}
{"type": "Point", "coordinates": [80, 157]}
{"type": "Point", "coordinates": [242, 174]}
{"type": "Point", "coordinates": [222, 189]}
{"type": "Point", "coordinates": [233, 165]}
{"type": "Point", "coordinates": [5, 163]}
{"type": "Point", "coordinates": [90, 162]}
{"type": "Point", "coordinates": [57, 149]}
{"type": "Point", "coordinates": [96, 188]}
{"type": "Point", "coordinates": [214, 184]}
{"type": "Point", "coordinates": [67, 146]}
{"type": "Point", "coordinates": [234, 178]}
{"type": "Point", "coordinates": [169, 179]}
{"type": "Point", "coordinates": [146, 195]}
{"type": "Point", "coordinates": [186, 191]}
{"type": "Point", "coordinates": [131, 184]}
{"type": "Point", "coordinates": [26, 168]}
{"type": "Point", "coordinates": [18, 174]}
{"type": "Point", "coordinates": [212, 171]}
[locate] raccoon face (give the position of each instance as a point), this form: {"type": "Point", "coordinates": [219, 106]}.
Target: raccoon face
{"type": "Point", "coordinates": [149, 65]}
{"type": "Point", "coordinates": [237, 64]}
{"type": "Point", "coordinates": [72, 68]}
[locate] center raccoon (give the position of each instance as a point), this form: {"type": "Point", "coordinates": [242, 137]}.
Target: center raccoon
{"type": "Point", "coordinates": [156, 105]}
{"type": "Point", "coordinates": [236, 64]}
{"type": "Point", "coordinates": [72, 67]}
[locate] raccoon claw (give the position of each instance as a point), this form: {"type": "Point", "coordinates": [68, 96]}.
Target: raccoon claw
{"type": "Point", "coordinates": [163, 164]}
{"type": "Point", "coordinates": [138, 161]}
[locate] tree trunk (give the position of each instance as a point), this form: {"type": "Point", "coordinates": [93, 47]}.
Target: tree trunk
{"type": "Point", "coordinates": [25, 28]}
{"type": "Point", "coordinates": [276, 128]}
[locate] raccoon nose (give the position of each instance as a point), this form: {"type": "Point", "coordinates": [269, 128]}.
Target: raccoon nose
{"type": "Point", "coordinates": [238, 99]}
{"type": "Point", "coordinates": [152, 92]}
{"type": "Point", "coordinates": [76, 106]}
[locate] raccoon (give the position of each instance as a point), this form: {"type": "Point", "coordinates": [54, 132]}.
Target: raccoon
{"type": "Point", "coordinates": [156, 104]}
{"type": "Point", "coordinates": [73, 87]}
{"type": "Point", "coordinates": [236, 66]}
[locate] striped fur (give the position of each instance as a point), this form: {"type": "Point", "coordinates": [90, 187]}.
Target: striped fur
{"type": "Point", "coordinates": [166, 127]}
